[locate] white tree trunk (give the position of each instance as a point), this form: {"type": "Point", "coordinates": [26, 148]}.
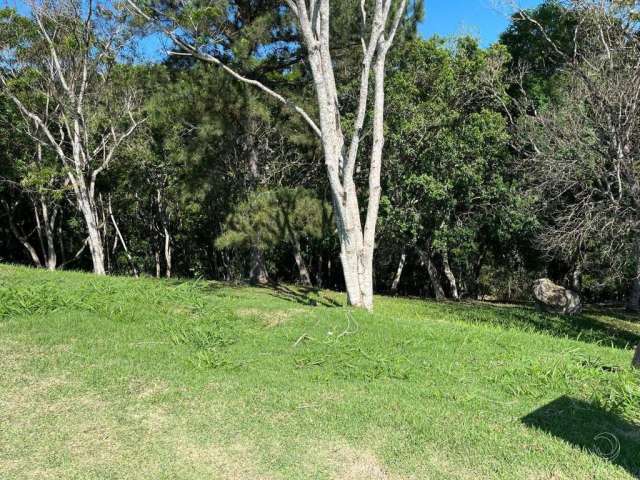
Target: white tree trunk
{"type": "Point", "coordinates": [32, 251]}
{"type": "Point", "coordinates": [167, 251]}
{"type": "Point", "coordinates": [356, 243]}
{"type": "Point", "coordinates": [49, 228]}
{"type": "Point", "coordinates": [438, 291]}
{"type": "Point", "coordinates": [576, 279]}
{"type": "Point", "coordinates": [134, 269]}
{"type": "Point", "coordinates": [46, 228]}
{"type": "Point", "coordinates": [396, 279]}
{"type": "Point", "coordinates": [24, 241]}
{"type": "Point", "coordinates": [89, 212]}
{"type": "Point", "coordinates": [451, 278]}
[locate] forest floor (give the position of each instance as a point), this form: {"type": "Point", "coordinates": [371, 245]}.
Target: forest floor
{"type": "Point", "coordinates": [145, 379]}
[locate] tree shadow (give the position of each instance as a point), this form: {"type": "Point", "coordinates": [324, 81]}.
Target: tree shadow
{"type": "Point", "coordinates": [591, 429]}
{"type": "Point", "coordinates": [307, 296]}
{"type": "Point", "coordinates": [206, 286]}
{"type": "Point", "coordinates": [618, 312]}
{"type": "Point", "coordinates": [592, 326]}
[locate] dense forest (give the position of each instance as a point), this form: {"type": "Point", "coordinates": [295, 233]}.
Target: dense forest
{"type": "Point", "coordinates": [269, 144]}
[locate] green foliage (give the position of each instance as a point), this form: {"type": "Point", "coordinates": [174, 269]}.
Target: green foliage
{"type": "Point", "coordinates": [449, 181]}
{"type": "Point", "coordinates": [271, 217]}
{"type": "Point", "coordinates": [531, 51]}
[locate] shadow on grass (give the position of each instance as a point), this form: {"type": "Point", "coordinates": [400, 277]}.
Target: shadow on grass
{"type": "Point", "coordinates": [618, 312]}
{"type": "Point", "coordinates": [307, 296]}
{"type": "Point", "coordinates": [592, 429]}
{"type": "Point", "coordinates": [592, 326]}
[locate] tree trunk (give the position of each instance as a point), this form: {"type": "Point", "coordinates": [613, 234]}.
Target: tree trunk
{"type": "Point", "coordinates": [352, 265]}
{"type": "Point", "coordinates": [90, 214]}
{"type": "Point", "coordinates": [28, 247]}
{"type": "Point", "coordinates": [576, 279]}
{"type": "Point", "coordinates": [32, 252]}
{"type": "Point", "coordinates": [434, 276]}
{"type": "Point", "coordinates": [45, 230]}
{"type": "Point", "coordinates": [636, 358]}
{"type": "Point", "coordinates": [167, 251]}
{"type": "Point", "coordinates": [319, 273]}
{"type": "Point", "coordinates": [124, 245]}
{"type": "Point", "coordinates": [356, 243]}
{"type": "Point", "coordinates": [35, 258]}
{"type": "Point", "coordinates": [396, 278]}
{"type": "Point", "coordinates": [52, 257]}
{"type": "Point", "coordinates": [633, 302]}
{"type": "Point", "coordinates": [453, 285]}
{"type": "Point", "coordinates": [305, 278]}
{"type": "Point", "coordinates": [167, 236]}
{"type": "Point", "coordinates": [158, 266]}
{"type": "Point", "coordinates": [427, 260]}
{"type": "Point", "coordinates": [63, 253]}
{"type": "Point", "coordinates": [258, 273]}
{"type": "Point", "coordinates": [576, 274]}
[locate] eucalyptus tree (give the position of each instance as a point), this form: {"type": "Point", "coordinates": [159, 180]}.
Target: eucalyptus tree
{"type": "Point", "coordinates": [40, 186]}
{"type": "Point", "coordinates": [31, 187]}
{"type": "Point", "coordinates": [380, 20]}
{"type": "Point", "coordinates": [77, 103]}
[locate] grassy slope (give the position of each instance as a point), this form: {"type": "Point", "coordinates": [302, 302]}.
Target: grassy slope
{"type": "Point", "coordinates": [124, 378]}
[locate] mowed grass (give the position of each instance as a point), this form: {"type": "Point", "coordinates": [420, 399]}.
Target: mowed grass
{"type": "Point", "coordinates": [144, 379]}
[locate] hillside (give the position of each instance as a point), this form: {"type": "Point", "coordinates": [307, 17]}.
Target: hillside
{"type": "Point", "coordinates": [147, 379]}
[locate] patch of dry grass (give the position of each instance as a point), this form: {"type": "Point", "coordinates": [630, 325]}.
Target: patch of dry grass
{"type": "Point", "coordinates": [271, 318]}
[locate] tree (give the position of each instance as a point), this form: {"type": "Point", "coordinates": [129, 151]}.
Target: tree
{"type": "Point", "coordinates": [590, 139]}
{"type": "Point", "coordinates": [269, 218]}
{"type": "Point", "coordinates": [31, 182]}
{"type": "Point", "coordinates": [451, 198]}
{"type": "Point", "coordinates": [77, 102]}
{"type": "Point", "coordinates": [314, 24]}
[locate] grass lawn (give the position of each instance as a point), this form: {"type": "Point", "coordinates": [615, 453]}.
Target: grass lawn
{"type": "Point", "coordinates": [123, 378]}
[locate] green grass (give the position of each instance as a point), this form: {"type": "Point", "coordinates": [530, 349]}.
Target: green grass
{"type": "Point", "coordinates": [123, 378]}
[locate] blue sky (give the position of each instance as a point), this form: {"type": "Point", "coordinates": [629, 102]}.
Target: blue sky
{"type": "Point", "coordinates": [483, 19]}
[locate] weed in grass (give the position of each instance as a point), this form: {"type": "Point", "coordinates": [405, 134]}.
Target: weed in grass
{"type": "Point", "coordinates": [34, 299]}
{"type": "Point", "coordinates": [620, 394]}
{"type": "Point", "coordinates": [208, 338]}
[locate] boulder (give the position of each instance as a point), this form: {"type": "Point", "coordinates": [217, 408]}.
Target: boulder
{"type": "Point", "coordinates": [554, 298]}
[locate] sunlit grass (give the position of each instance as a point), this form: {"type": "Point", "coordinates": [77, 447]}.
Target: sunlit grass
{"type": "Point", "coordinates": [125, 378]}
